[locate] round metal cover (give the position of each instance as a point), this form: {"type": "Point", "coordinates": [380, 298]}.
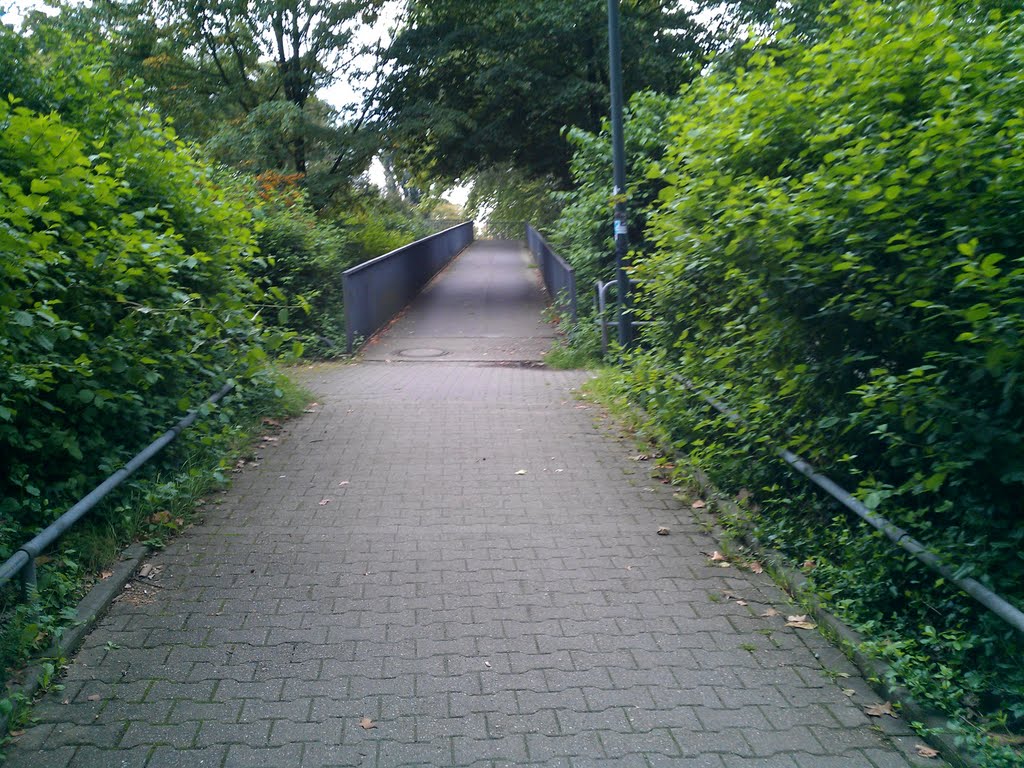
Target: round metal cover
{"type": "Point", "coordinates": [422, 352]}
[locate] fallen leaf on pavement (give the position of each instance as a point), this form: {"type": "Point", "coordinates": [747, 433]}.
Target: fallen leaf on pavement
{"type": "Point", "coordinates": [269, 439]}
{"type": "Point", "coordinates": [877, 710]}
{"type": "Point", "coordinates": [324, 502]}
{"type": "Point", "coordinates": [93, 697]}
{"type": "Point", "coordinates": [699, 504]}
{"type": "Point", "coordinates": [271, 422]}
{"type": "Point", "coordinates": [520, 471]}
{"type": "Point", "coordinates": [755, 567]}
{"type": "Point", "coordinates": [106, 574]}
{"type": "Point", "coordinates": [924, 751]}
{"type": "Point", "coordinates": [800, 622]}
{"type": "Point", "coordinates": [770, 613]}
{"type": "Point", "coordinates": [367, 724]}
{"type": "Point", "coordinates": [742, 602]}
{"type": "Point", "coordinates": [343, 483]}
{"type": "Point", "coordinates": [16, 734]}
{"type": "Point", "coordinates": [849, 692]}
{"type": "Point", "coordinates": [487, 664]}
{"type": "Point", "coordinates": [718, 557]}
{"type": "Point", "coordinates": [663, 531]}
{"type": "Point", "coordinates": [640, 457]}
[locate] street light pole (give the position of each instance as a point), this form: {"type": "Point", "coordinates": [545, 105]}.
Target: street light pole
{"type": "Point", "coordinates": [619, 161]}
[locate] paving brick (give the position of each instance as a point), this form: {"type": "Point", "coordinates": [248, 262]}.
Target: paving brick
{"type": "Point", "coordinates": [168, 757]}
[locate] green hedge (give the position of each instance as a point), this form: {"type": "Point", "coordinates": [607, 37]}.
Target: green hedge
{"type": "Point", "coordinates": [123, 295]}
{"type": "Point", "coordinates": [838, 255]}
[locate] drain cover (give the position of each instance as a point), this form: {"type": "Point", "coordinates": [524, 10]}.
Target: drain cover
{"type": "Point", "coordinates": [422, 352]}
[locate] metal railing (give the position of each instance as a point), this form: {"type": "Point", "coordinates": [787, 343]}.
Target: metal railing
{"type": "Point", "coordinates": [377, 290]}
{"type": "Point", "coordinates": [559, 277]}
{"type": "Point", "coordinates": [601, 312]}
{"type": "Point", "coordinates": [898, 536]}
{"type": "Point", "coordinates": [23, 561]}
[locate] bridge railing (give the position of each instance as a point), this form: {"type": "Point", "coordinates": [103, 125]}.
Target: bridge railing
{"type": "Point", "coordinates": [559, 277]}
{"type": "Point", "coordinates": [377, 290]}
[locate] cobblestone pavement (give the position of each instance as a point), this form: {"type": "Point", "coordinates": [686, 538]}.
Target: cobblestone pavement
{"type": "Point", "coordinates": [454, 564]}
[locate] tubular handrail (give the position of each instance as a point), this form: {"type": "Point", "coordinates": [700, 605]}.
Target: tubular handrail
{"type": "Point", "coordinates": [23, 561]}
{"type": "Point", "coordinates": [898, 536]}
{"type": "Point", "coordinates": [559, 277]}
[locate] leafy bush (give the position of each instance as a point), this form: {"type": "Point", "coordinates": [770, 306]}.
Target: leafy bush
{"type": "Point", "coordinates": [838, 256]}
{"type": "Point", "coordinates": [582, 234]}
{"type": "Point", "coordinates": [304, 257]}
{"type": "Point", "coordinates": [124, 300]}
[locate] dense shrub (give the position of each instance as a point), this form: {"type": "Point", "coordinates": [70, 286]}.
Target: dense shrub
{"type": "Point", "coordinates": [582, 234]}
{"type": "Point", "coordinates": [123, 299]}
{"type": "Point", "coordinates": [839, 257]}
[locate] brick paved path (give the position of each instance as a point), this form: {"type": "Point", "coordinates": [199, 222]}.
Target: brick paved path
{"type": "Point", "coordinates": [388, 560]}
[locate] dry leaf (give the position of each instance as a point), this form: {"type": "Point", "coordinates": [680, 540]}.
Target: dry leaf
{"type": "Point", "coordinates": [520, 471]}
{"type": "Point", "coordinates": [93, 697]}
{"type": "Point", "coordinates": [924, 751]}
{"type": "Point", "coordinates": [663, 531]}
{"type": "Point", "coordinates": [343, 483]}
{"type": "Point", "coordinates": [629, 567]}
{"type": "Point", "coordinates": [17, 733]}
{"type": "Point", "coordinates": [324, 502]}
{"type": "Point", "coordinates": [640, 457]}
{"type": "Point", "coordinates": [367, 724]}
{"type": "Point", "coordinates": [877, 710]}
{"type": "Point", "coordinates": [742, 602]}
{"type": "Point", "coordinates": [268, 439]}
{"type": "Point", "coordinates": [106, 574]}
{"type": "Point", "coordinates": [755, 566]}
{"type": "Point", "coordinates": [718, 557]}
{"type": "Point", "coordinates": [849, 692]}
{"type": "Point", "coordinates": [800, 622]}
{"type": "Point", "coordinates": [147, 571]}
{"type": "Point", "coordinates": [487, 664]}
{"type": "Point", "coordinates": [770, 613]}
{"type": "Point", "coordinates": [699, 504]}
{"type": "Point", "coordinates": [808, 565]}
{"type": "Point", "coordinates": [271, 422]}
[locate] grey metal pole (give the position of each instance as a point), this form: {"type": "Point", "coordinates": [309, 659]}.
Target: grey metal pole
{"type": "Point", "coordinates": [619, 161]}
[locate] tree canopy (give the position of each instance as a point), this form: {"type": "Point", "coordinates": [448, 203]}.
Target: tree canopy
{"type": "Point", "coordinates": [240, 77]}
{"type": "Point", "coordinates": [492, 83]}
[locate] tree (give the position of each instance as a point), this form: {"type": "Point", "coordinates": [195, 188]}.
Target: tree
{"type": "Point", "coordinates": [493, 82]}
{"type": "Point", "coordinates": [242, 76]}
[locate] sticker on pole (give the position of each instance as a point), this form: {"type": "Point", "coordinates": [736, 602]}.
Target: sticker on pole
{"type": "Point", "coordinates": [620, 228]}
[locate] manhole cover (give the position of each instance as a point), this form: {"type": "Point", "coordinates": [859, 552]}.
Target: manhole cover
{"type": "Point", "coordinates": [422, 352]}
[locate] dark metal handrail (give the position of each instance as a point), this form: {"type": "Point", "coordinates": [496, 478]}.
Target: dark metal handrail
{"type": "Point", "coordinates": [23, 561]}
{"type": "Point", "coordinates": [559, 277]}
{"type": "Point", "coordinates": [901, 538]}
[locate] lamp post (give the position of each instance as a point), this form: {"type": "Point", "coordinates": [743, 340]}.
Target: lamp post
{"type": "Point", "coordinates": [619, 162]}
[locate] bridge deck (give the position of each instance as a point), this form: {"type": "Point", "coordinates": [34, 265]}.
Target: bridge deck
{"type": "Point", "coordinates": [466, 555]}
